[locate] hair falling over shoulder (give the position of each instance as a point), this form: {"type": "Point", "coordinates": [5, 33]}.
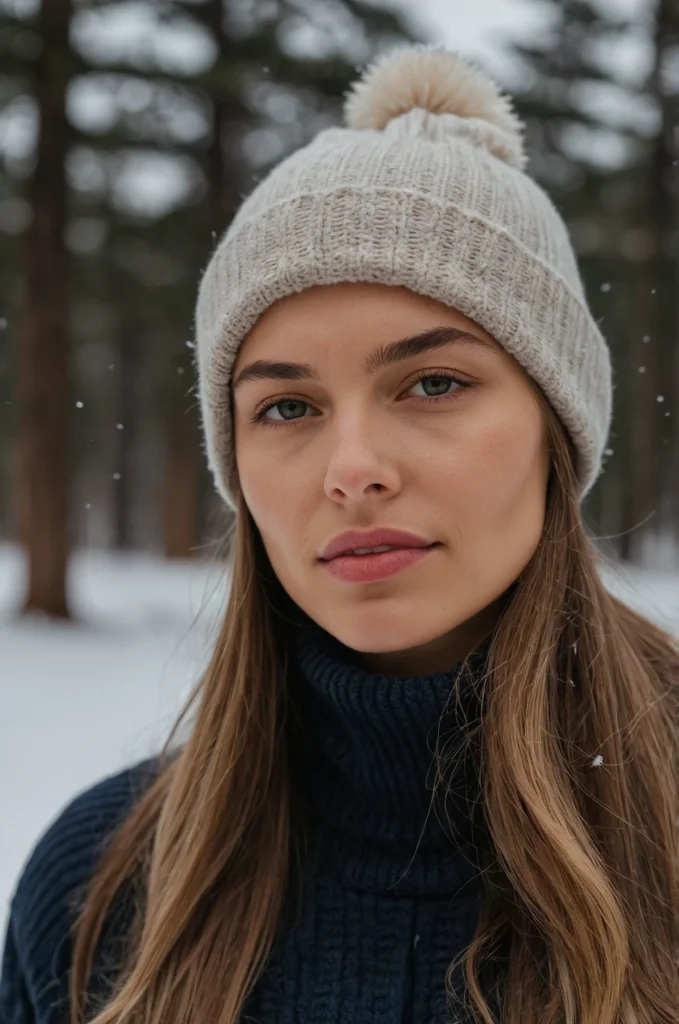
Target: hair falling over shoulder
{"type": "Point", "coordinates": [579, 768]}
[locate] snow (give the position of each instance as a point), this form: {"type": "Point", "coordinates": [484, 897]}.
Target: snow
{"type": "Point", "coordinates": [81, 701]}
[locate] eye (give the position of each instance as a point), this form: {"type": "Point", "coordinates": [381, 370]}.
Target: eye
{"type": "Point", "coordinates": [259, 416]}
{"type": "Point", "coordinates": [443, 379]}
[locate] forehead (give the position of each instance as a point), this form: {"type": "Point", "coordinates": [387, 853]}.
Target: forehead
{"type": "Point", "coordinates": [356, 311]}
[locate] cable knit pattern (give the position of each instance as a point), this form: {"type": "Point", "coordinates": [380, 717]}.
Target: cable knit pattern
{"type": "Point", "coordinates": [389, 899]}
{"type": "Point", "coordinates": [427, 203]}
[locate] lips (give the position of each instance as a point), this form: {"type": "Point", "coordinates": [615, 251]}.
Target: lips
{"type": "Point", "coordinates": [353, 539]}
{"type": "Point", "coordinates": [371, 568]}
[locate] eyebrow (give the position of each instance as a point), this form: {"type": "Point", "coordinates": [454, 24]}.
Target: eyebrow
{"type": "Point", "coordinates": [379, 358]}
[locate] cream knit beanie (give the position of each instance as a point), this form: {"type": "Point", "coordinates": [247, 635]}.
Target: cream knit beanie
{"type": "Point", "coordinates": [425, 188]}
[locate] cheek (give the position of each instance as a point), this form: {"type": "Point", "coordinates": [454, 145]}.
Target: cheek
{"type": "Point", "coordinates": [495, 479]}
{"type": "Point", "coordinates": [270, 516]}
{"type": "Point", "coordinates": [279, 511]}
{"type": "Point", "coordinates": [269, 466]}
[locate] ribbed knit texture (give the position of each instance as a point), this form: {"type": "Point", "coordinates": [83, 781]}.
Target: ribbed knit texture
{"type": "Point", "coordinates": [389, 900]}
{"type": "Point", "coordinates": [434, 202]}
{"type": "Point", "coordinates": [37, 950]}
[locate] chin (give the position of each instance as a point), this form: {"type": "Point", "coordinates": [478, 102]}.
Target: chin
{"type": "Point", "coordinates": [383, 633]}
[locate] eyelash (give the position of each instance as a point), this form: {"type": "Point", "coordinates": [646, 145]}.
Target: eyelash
{"type": "Point", "coordinates": [259, 415]}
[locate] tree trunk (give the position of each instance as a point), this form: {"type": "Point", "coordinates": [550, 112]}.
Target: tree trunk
{"type": "Point", "coordinates": [666, 210]}
{"type": "Point", "coordinates": [224, 179]}
{"type": "Point", "coordinates": [641, 486]}
{"type": "Point", "coordinates": [651, 481]}
{"type": "Point", "coordinates": [42, 367]}
{"type": "Point", "coordinates": [180, 493]}
{"type": "Point", "coordinates": [129, 342]}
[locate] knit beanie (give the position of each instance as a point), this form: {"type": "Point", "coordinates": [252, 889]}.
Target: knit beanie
{"type": "Point", "coordinates": [423, 188]}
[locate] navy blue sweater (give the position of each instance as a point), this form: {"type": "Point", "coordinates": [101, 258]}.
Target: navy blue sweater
{"type": "Point", "coordinates": [389, 900]}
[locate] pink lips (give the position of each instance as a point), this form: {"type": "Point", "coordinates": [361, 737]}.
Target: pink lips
{"type": "Point", "coordinates": [408, 548]}
{"type": "Point", "coordinates": [367, 568]}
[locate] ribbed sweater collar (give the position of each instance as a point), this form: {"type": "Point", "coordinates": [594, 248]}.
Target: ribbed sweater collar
{"type": "Point", "coordinates": [365, 747]}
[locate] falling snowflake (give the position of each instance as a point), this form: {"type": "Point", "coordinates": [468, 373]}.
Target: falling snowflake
{"type": "Point", "coordinates": [116, 476]}
{"type": "Point", "coordinates": [119, 426]}
{"type": "Point", "coordinates": [3, 323]}
{"type": "Point", "coordinates": [190, 344]}
{"type": "Point", "coordinates": [78, 405]}
{"type": "Point", "coordinates": [598, 761]}
{"type": "Point", "coordinates": [646, 338]}
{"type": "Point", "coordinates": [88, 505]}
{"type": "Point", "coordinates": [571, 683]}
{"type": "Point", "coordinates": [608, 451]}
{"type": "Point", "coordinates": [660, 398]}
{"type": "Point", "coordinates": [642, 369]}
{"type": "Point", "coordinates": [606, 287]}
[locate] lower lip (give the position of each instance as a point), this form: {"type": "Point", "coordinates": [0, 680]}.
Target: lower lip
{"type": "Point", "coordinates": [366, 568]}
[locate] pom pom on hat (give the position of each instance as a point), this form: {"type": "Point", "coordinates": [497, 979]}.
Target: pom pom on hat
{"type": "Point", "coordinates": [434, 79]}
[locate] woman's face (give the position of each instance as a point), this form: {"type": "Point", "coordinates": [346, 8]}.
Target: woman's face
{"type": "Point", "coordinates": [448, 443]}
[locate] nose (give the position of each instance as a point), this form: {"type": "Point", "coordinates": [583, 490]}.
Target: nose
{"type": "Point", "coordinates": [360, 464]}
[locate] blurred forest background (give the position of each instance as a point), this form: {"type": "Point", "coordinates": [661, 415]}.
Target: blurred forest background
{"type": "Point", "coordinates": [123, 158]}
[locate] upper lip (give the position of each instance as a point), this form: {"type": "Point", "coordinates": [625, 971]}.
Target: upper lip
{"type": "Point", "coordinates": [352, 539]}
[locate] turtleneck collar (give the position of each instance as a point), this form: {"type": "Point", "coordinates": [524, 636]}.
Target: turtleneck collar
{"type": "Point", "coordinates": [365, 747]}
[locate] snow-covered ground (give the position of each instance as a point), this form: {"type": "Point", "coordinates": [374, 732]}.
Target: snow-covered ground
{"type": "Point", "coordinates": [78, 702]}
{"type": "Point", "coordinates": [81, 701]}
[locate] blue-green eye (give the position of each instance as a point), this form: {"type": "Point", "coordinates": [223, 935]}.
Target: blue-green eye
{"type": "Point", "coordinates": [285, 407]}
{"type": "Point", "coordinates": [287, 404]}
{"type": "Point", "coordinates": [441, 380]}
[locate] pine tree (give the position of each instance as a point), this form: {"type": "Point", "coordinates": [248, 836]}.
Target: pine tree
{"type": "Point", "coordinates": [43, 358]}
{"type": "Point", "coordinates": [613, 212]}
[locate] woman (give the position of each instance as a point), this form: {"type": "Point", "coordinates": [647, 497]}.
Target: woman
{"type": "Point", "coordinates": [432, 773]}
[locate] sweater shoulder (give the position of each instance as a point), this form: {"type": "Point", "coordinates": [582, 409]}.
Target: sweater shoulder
{"type": "Point", "coordinates": [55, 875]}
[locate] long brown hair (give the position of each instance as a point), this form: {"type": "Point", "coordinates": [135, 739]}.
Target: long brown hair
{"type": "Point", "coordinates": [579, 782]}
